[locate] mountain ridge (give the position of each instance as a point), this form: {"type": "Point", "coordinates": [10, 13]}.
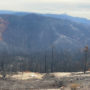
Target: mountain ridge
{"type": "Point", "coordinates": [58, 16]}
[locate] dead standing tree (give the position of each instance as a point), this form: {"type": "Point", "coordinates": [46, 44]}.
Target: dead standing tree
{"type": "Point", "coordinates": [3, 66]}
{"type": "Point", "coordinates": [52, 62]}
{"type": "Point", "coordinates": [45, 63]}
{"type": "Point", "coordinates": [86, 57]}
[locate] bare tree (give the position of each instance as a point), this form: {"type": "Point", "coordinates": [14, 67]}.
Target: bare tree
{"type": "Point", "coordinates": [52, 62]}
{"type": "Point", "coordinates": [86, 57]}
{"type": "Point", "coordinates": [45, 64]}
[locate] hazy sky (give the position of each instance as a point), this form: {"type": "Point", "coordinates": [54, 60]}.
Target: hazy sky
{"type": "Point", "coordinates": [79, 8]}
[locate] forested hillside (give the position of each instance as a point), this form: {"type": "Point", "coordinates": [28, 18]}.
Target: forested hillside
{"type": "Point", "coordinates": [34, 32]}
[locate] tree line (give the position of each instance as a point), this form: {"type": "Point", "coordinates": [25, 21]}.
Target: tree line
{"type": "Point", "coordinates": [44, 62]}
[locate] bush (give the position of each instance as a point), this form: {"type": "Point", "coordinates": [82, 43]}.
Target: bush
{"type": "Point", "coordinates": [59, 83]}
{"type": "Point", "coordinates": [74, 86]}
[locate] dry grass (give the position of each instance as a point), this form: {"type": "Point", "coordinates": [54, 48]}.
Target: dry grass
{"type": "Point", "coordinates": [27, 75]}
{"type": "Point", "coordinates": [74, 86]}
{"type": "Point", "coordinates": [31, 81]}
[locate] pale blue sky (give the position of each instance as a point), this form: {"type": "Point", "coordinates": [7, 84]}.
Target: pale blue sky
{"type": "Point", "coordinates": [80, 8]}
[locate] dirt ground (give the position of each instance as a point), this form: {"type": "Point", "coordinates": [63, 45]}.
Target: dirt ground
{"type": "Point", "coordinates": [51, 81]}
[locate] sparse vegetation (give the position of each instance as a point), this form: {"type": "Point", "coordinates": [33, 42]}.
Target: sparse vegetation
{"type": "Point", "coordinates": [74, 86]}
{"type": "Point", "coordinates": [56, 83]}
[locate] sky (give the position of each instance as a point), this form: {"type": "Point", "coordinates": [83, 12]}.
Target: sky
{"type": "Point", "coordinates": [78, 8]}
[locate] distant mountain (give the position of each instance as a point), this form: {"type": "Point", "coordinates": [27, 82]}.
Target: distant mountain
{"type": "Point", "coordinates": [34, 32]}
{"type": "Point", "coordinates": [13, 12]}
{"type": "Point", "coordinates": [67, 17]}
{"type": "Point", "coordinates": [57, 16]}
{"type": "Point", "coordinates": [6, 12]}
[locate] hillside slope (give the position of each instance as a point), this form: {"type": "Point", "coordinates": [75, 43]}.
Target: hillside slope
{"type": "Point", "coordinates": [35, 32]}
